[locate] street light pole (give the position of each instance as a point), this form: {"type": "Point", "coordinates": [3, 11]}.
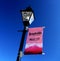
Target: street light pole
{"type": "Point", "coordinates": [28, 18]}
{"type": "Point", "coordinates": [20, 53]}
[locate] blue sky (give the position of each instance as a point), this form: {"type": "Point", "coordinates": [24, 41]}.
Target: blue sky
{"type": "Point", "coordinates": [47, 13]}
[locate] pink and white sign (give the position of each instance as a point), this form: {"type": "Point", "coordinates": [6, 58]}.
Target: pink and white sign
{"type": "Point", "coordinates": [34, 43]}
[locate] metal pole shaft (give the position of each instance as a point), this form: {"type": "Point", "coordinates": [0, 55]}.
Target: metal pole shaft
{"type": "Point", "coordinates": [21, 45]}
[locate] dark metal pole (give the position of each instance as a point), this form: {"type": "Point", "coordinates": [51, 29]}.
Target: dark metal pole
{"type": "Point", "coordinates": [21, 45]}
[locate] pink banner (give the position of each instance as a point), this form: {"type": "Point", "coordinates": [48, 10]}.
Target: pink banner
{"type": "Point", "coordinates": [34, 43]}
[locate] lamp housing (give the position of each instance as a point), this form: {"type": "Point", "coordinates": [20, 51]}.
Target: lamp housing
{"type": "Point", "coordinates": [27, 16]}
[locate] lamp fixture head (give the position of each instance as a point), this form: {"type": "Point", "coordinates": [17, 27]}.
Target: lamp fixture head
{"type": "Point", "coordinates": [27, 16]}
